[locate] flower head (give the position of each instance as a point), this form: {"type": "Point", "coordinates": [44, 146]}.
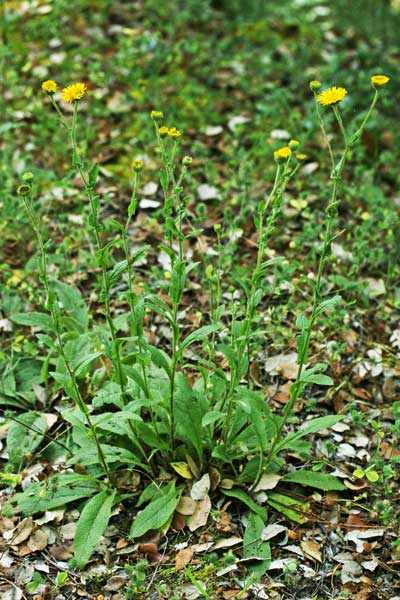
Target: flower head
{"type": "Point", "coordinates": [73, 92]}
{"type": "Point", "coordinates": [137, 165]}
{"type": "Point", "coordinates": [163, 131]}
{"type": "Point", "coordinates": [379, 80]}
{"type": "Point", "coordinates": [156, 115]}
{"type": "Point", "coordinates": [301, 157]}
{"type": "Point", "coordinates": [331, 96]}
{"type": "Point", "coordinates": [294, 144]}
{"type": "Point", "coordinates": [282, 154]}
{"type": "Point", "coordinates": [174, 132]}
{"type": "Point", "coordinates": [49, 86]}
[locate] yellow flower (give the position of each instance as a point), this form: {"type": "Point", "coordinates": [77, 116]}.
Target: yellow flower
{"type": "Point", "coordinates": [49, 86]}
{"type": "Point", "coordinates": [137, 165]}
{"type": "Point", "coordinates": [156, 115]}
{"type": "Point", "coordinates": [294, 144]}
{"type": "Point", "coordinates": [282, 154]}
{"type": "Point", "coordinates": [163, 131]}
{"type": "Point", "coordinates": [174, 132]}
{"type": "Point", "coordinates": [73, 92]}
{"type": "Point", "coordinates": [301, 157]}
{"type": "Point", "coordinates": [379, 80]}
{"type": "Point", "coordinates": [331, 96]}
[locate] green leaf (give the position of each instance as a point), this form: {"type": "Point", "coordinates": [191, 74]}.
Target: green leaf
{"type": "Point", "coordinates": [310, 427]}
{"type": "Point", "coordinates": [73, 305]}
{"type": "Point", "coordinates": [110, 393]}
{"type": "Point", "coordinates": [199, 334]}
{"type": "Point", "coordinates": [254, 547]}
{"type": "Point", "coordinates": [329, 303]}
{"type": "Point", "coordinates": [188, 415]}
{"type": "Point", "coordinates": [160, 359]}
{"type": "Point", "coordinates": [91, 525]}
{"type": "Point", "coordinates": [93, 174]}
{"type": "Point", "coordinates": [24, 437]}
{"type": "Point", "coordinates": [114, 275]}
{"type": "Point", "coordinates": [157, 513]}
{"type": "Point", "coordinates": [211, 417]}
{"type": "Point", "coordinates": [34, 319]}
{"type": "Point", "coordinates": [321, 481]}
{"type": "Point", "coordinates": [290, 507]}
{"type": "Point", "coordinates": [249, 502]}
{"type": "Point", "coordinates": [178, 281]}
{"type": "Point", "coordinates": [317, 424]}
{"type": "Point", "coordinates": [60, 489]}
{"type": "Point", "coordinates": [317, 378]}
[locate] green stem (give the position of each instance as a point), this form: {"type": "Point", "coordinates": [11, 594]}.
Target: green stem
{"type": "Point", "coordinates": [78, 164]}
{"type": "Point", "coordinates": [359, 131]}
{"type": "Point", "coordinates": [341, 124]}
{"type": "Point", "coordinates": [282, 177]}
{"type": "Point", "coordinates": [50, 303]}
{"type": "Point", "coordinates": [136, 327]}
{"type": "Point", "coordinates": [324, 134]}
{"type": "Point", "coordinates": [331, 210]}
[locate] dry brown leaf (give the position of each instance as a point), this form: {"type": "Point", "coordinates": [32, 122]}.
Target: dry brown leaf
{"type": "Point", "coordinates": [62, 552]}
{"type": "Point", "coordinates": [311, 549]}
{"type": "Point", "coordinates": [224, 521]}
{"type": "Point", "coordinates": [202, 547]}
{"type": "Point", "coordinates": [361, 393]}
{"type": "Point", "coordinates": [38, 540]}
{"type": "Point", "coordinates": [200, 488]}
{"type": "Point", "coordinates": [200, 516]}
{"type": "Point", "coordinates": [227, 542]}
{"type": "Point", "coordinates": [22, 531]}
{"type": "Point", "coordinates": [358, 537]}
{"type": "Point", "coordinates": [215, 478]}
{"type": "Point", "coordinates": [355, 522]}
{"type": "Point", "coordinates": [388, 450]}
{"type": "Point", "coordinates": [186, 506]}
{"type": "Point", "coordinates": [115, 583]}
{"type": "Point", "coordinates": [179, 521]}
{"type": "Point", "coordinates": [283, 364]}
{"type": "Point", "coordinates": [267, 482]}
{"type": "Point", "coordinates": [183, 558]}
{"type": "Point", "coordinates": [272, 531]}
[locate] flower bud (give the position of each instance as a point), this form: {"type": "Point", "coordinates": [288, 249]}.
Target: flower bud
{"type": "Point", "coordinates": [379, 81]}
{"type": "Point", "coordinates": [315, 85]}
{"type": "Point", "coordinates": [294, 144]}
{"type": "Point", "coordinates": [27, 176]}
{"type": "Point", "coordinates": [301, 157]}
{"type": "Point", "coordinates": [137, 165]}
{"type": "Point", "coordinates": [156, 115]}
{"type": "Point", "coordinates": [187, 161]}
{"type": "Point", "coordinates": [163, 131]}
{"type": "Point", "coordinates": [24, 190]}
